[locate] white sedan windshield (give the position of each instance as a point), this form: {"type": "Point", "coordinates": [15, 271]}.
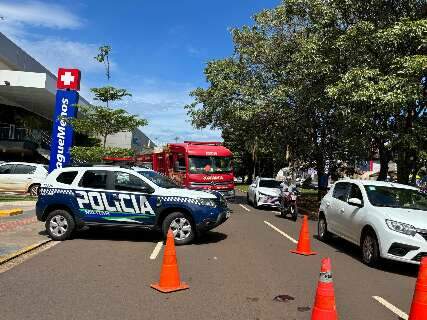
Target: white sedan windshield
{"type": "Point", "coordinates": [382, 196]}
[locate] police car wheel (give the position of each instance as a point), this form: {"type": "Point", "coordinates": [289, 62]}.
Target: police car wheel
{"type": "Point", "coordinates": [181, 226]}
{"type": "Point", "coordinates": [59, 225]}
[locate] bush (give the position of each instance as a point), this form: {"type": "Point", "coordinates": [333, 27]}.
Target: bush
{"type": "Point", "coordinates": [80, 155]}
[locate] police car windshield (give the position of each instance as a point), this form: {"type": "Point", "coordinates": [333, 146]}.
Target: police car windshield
{"type": "Point", "coordinates": [159, 179]}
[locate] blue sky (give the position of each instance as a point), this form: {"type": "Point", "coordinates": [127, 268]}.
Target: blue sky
{"type": "Point", "coordinates": [160, 48]}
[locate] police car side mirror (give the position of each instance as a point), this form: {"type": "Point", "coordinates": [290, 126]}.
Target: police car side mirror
{"type": "Point", "coordinates": [147, 189]}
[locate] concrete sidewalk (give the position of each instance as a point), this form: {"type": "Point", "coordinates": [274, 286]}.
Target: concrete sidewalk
{"type": "Point", "coordinates": [19, 232]}
{"type": "Point", "coordinates": [21, 204]}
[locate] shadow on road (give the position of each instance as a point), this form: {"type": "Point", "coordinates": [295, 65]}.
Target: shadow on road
{"type": "Point", "coordinates": [210, 237]}
{"type": "Point", "coordinates": [240, 199]}
{"type": "Point", "coordinates": [353, 251]}
{"type": "Point", "coordinates": [118, 234]}
{"type": "Point", "coordinates": [138, 235]}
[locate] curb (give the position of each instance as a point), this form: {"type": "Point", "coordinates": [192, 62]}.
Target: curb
{"type": "Point", "coordinates": [11, 212]}
{"type": "Point", "coordinates": [23, 251]}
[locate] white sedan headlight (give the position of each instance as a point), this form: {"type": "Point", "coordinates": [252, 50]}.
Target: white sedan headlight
{"type": "Point", "coordinates": [401, 227]}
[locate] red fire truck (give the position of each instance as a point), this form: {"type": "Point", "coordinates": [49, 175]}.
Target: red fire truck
{"type": "Point", "coordinates": [195, 165]}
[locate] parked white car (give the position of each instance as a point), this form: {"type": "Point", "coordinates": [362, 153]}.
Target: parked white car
{"type": "Point", "coordinates": [22, 177]}
{"type": "Point", "coordinates": [387, 220]}
{"type": "Point", "coordinates": [264, 192]}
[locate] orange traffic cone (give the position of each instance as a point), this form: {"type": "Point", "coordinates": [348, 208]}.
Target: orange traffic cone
{"type": "Point", "coordinates": [419, 300]}
{"type": "Point", "coordinates": [324, 303]}
{"type": "Point", "coordinates": [303, 246]}
{"type": "Point", "coordinates": [169, 276]}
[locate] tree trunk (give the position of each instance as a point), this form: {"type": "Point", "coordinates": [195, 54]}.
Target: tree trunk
{"type": "Point", "coordinates": [384, 160]}
{"type": "Point", "coordinates": [254, 159]}
{"type": "Point", "coordinates": [105, 141]}
{"type": "Point", "coordinates": [320, 167]}
{"type": "Point", "coordinates": [403, 166]}
{"type": "Point", "coordinates": [406, 166]}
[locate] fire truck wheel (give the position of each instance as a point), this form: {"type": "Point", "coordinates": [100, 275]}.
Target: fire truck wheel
{"type": "Point", "coordinates": [182, 228]}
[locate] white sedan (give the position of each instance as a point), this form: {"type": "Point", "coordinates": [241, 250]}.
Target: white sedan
{"type": "Point", "coordinates": [264, 192]}
{"type": "Point", "coordinates": [22, 177]}
{"type": "Point", "coordinates": [387, 220]}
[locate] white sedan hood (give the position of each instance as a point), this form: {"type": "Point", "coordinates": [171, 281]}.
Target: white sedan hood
{"type": "Point", "coordinates": [274, 192]}
{"type": "Point", "coordinates": [417, 218]}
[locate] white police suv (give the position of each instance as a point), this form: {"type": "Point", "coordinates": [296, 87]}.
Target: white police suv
{"type": "Point", "coordinates": [387, 220]}
{"type": "Point", "coordinates": [75, 197]}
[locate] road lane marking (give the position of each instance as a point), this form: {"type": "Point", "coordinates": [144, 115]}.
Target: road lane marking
{"type": "Point", "coordinates": [391, 307]}
{"type": "Point", "coordinates": [281, 232]}
{"type": "Point", "coordinates": [156, 250]}
{"type": "Point", "coordinates": [244, 207]}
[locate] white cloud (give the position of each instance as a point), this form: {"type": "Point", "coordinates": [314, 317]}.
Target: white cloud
{"type": "Point", "coordinates": [21, 17]}
{"type": "Point", "coordinates": [56, 52]}
{"type": "Point", "coordinates": [37, 13]}
{"type": "Point", "coordinates": [162, 103]}
{"type": "Point", "coordinates": [24, 22]}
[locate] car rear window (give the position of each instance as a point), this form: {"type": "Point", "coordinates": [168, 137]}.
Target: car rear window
{"type": "Point", "coordinates": [67, 177]}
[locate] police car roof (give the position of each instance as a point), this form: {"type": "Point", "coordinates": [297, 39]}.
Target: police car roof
{"type": "Point", "coordinates": [92, 167]}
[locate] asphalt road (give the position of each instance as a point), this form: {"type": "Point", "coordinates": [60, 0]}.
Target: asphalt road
{"type": "Point", "coordinates": [234, 272]}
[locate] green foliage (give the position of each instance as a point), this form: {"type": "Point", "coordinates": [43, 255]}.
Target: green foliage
{"type": "Point", "coordinates": [104, 57]}
{"type": "Point", "coordinates": [109, 93]}
{"type": "Point", "coordinates": [103, 121]}
{"type": "Point", "coordinates": [90, 155]}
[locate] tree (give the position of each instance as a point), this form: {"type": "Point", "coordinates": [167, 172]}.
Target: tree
{"type": "Point", "coordinates": [102, 121]}
{"type": "Point", "coordinates": [385, 51]}
{"type": "Point", "coordinates": [329, 81]}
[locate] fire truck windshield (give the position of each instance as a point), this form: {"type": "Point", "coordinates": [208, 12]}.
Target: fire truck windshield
{"type": "Point", "coordinates": [209, 164]}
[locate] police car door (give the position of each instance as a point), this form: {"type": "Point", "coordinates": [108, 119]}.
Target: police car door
{"type": "Point", "coordinates": [95, 204]}
{"type": "Point", "coordinates": [134, 197]}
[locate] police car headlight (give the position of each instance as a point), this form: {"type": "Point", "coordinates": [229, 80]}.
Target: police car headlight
{"type": "Point", "coordinates": [207, 202]}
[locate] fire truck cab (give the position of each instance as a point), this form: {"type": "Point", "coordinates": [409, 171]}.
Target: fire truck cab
{"type": "Point", "coordinates": [195, 165]}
